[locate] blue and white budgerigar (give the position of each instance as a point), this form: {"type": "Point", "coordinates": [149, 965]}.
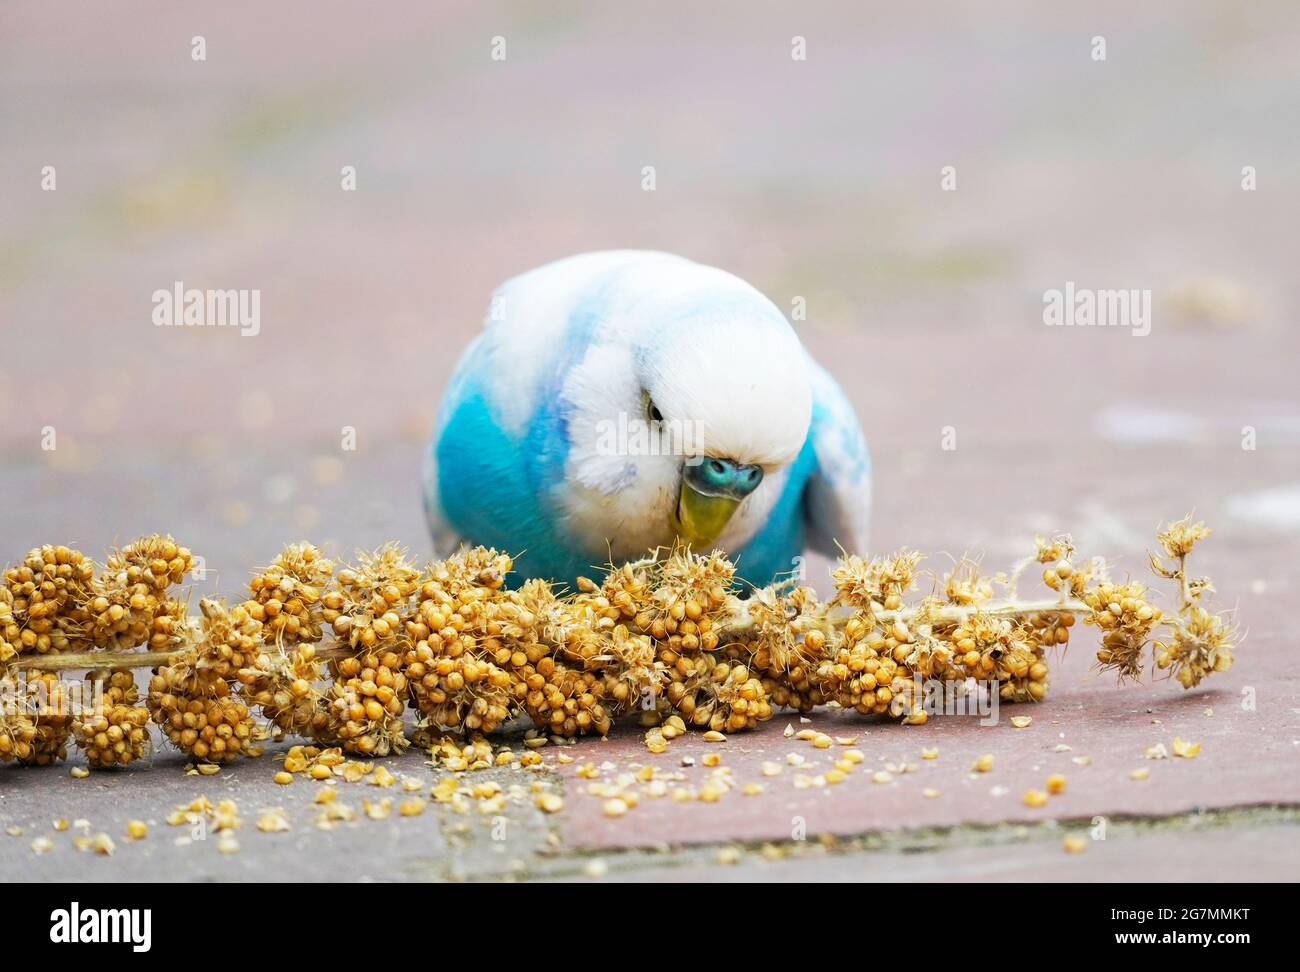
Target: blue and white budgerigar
{"type": "Point", "coordinates": [618, 401]}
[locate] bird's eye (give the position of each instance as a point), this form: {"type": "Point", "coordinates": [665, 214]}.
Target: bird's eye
{"type": "Point", "coordinates": [653, 411]}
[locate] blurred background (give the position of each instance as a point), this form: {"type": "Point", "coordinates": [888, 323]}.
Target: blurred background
{"type": "Point", "coordinates": [816, 178]}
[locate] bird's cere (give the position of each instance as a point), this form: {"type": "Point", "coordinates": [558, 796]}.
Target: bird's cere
{"type": "Point", "coordinates": [379, 654]}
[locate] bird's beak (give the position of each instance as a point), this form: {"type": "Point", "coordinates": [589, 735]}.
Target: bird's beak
{"type": "Point", "coordinates": [712, 487]}
{"type": "Point", "coordinates": [701, 518]}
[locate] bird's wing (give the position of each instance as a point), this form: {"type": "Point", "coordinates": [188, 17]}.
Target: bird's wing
{"type": "Point", "coordinates": [837, 500]}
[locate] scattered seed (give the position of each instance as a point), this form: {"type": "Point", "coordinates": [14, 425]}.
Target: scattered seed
{"type": "Point", "coordinates": [1056, 783]}
{"type": "Point", "coordinates": [1141, 773]}
{"type": "Point", "coordinates": [136, 829]}
{"type": "Point", "coordinates": [615, 807]}
{"type": "Point", "coordinates": [714, 736]}
{"type": "Point", "coordinates": [1187, 750]}
{"type": "Point", "coordinates": [283, 778]}
{"type": "Point", "coordinates": [272, 821]}
{"type": "Point", "coordinates": [79, 772]}
{"type": "Point", "coordinates": [1020, 722]}
{"type": "Point", "coordinates": [984, 763]}
{"type": "Point", "coordinates": [1074, 844]}
{"type": "Point", "coordinates": [42, 845]}
{"type": "Point", "coordinates": [1034, 798]}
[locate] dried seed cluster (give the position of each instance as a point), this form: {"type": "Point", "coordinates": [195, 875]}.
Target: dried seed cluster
{"type": "Point", "coordinates": [194, 699]}
{"type": "Point", "coordinates": [40, 607]}
{"type": "Point", "coordinates": [286, 596]}
{"type": "Point", "coordinates": [473, 642]}
{"type": "Point", "coordinates": [113, 730]}
{"type": "Point", "coordinates": [128, 603]}
{"type": "Point", "coordinates": [666, 639]}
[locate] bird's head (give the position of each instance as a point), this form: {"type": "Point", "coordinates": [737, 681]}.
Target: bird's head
{"type": "Point", "coordinates": [686, 429]}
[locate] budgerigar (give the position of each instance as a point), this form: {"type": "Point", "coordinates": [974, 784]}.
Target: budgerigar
{"type": "Point", "coordinates": [618, 401]}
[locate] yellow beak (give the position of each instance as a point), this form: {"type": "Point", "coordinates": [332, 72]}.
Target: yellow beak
{"type": "Point", "coordinates": [700, 517]}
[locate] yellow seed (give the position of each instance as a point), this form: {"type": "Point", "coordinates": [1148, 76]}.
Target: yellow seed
{"type": "Point", "coordinates": [550, 802]}
{"type": "Point", "coordinates": [854, 755]}
{"type": "Point", "coordinates": [929, 793]}
{"type": "Point", "coordinates": [326, 795]}
{"type": "Point", "coordinates": [136, 829]}
{"type": "Point", "coordinates": [711, 759]}
{"type": "Point", "coordinates": [615, 807]}
{"type": "Point", "coordinates": [882, 776]}
{"type": "Point", "coordinates": [929, 754]}
{"type": "Point", "coordinates": [710, 793]}
{"type": "Point", "coordinates": [771, 769]}
{"type": "Point", "coordinates": [714, 736]}
{"type": "Point", "coordinates": [1056, 783]}
{"type": "Point", "coordinates": [272, 822]}
{"type": "Point", "coordinates": [283, 778]}
{"type": "Point", "coordinates": [984, 763]}
{"type": "Point", "coordinates": [836, 776]}
{"type": "Point", "coordinates": [1074, 844]}
{"type": "Point", "coordinates": [42, 845]}
{"type": "Point", "coordinates": [61, 824]}
{"type": "Point", "coordinates": [752, 789]}
{"type": "Point", "coordinates": [320, 772]}
{"type": "Point", "coordinates": [1141, 773]}
{"type": "Point", "coordinates": [208, 769]}
{"type": "Point", "coordinates": [411, 807]}
{"type": "Point", "coordinates": [1034, 798]}
{"type": "Point", "coordinates": [1185, 749]}
{"type": "Point", "coordinates": [79, 772]}
{"type": "Point", "coordinates": [1020, 722]}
